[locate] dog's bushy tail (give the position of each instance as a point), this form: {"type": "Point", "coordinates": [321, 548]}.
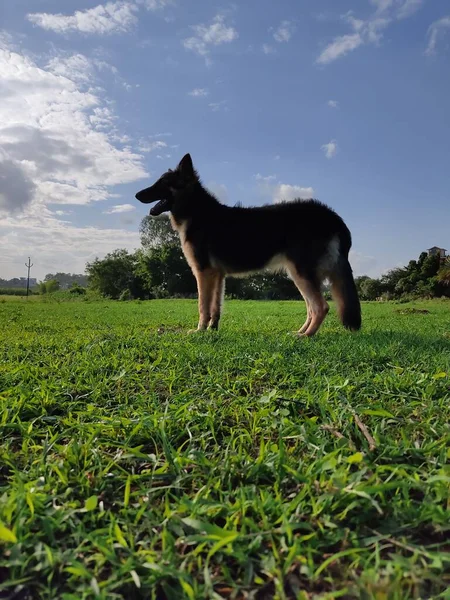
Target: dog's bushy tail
{"type": "Point", "coordinates": [344, 292]}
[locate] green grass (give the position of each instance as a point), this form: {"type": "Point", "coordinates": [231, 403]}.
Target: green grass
{"type": "Point", "coordinates": [138, 461]}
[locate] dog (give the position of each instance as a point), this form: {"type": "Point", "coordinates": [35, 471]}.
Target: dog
{"type": "Point", "coordinates": [304, 237]}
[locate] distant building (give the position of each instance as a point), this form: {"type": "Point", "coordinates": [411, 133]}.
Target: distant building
{"type": "Point", "coordinates": [436, 251]}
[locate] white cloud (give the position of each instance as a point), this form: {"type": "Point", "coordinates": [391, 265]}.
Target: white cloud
{"type": "Point", "coordinates": [57, 137]}
{"type": "Point", "coordinates": [199, 92]}
{"type": "Point", "coordinates": [408, 8]}
{"type": "Point", "coordinates": [284, 32]}
{"type": "Point", "coordinates": [16, 187]}
{"type": "Point", "coordinates": [112, 17]}
{"type": "Point", "coordinates": [363, 264]}
{"type": "Point", "coordinates": [55, 245]}
{"type": "Point", "coordinates": [155, 5]}
{"type": "Point", "coordinates": [368, 31]}
{"type": "Point", "coordinates": [382, 5]}
{"type": "Point", "coordinates": [206, 36]}
{"type": "Point", "coordinates": [119, 208]}
{"type": "Point", "coordinates": [282, 192]}
{"type": "Point", "coordinates": [399, 9]}
{"type": "Point", "coordinates": [216, 106]}
{"type": "Point", "coordinates": [151, 146]}
{"type": "Point", "coordinates": [83, 70]}
{"type": "Point", "coordinates": [287, 193]}
{"type": "Point", "coordinates": [340, 46]}
{"type": "Point", "coordinates": [268, 49]}
{"type": "Point", "coordinates": [158, 135]}
{"type": "Point", "coordinates": [219, 190]}
{"type": "Point", "coordinates": [266, 178]}
{"type": "Point", "coordinates": [436, 31]}
{"type": "Point", "coordinates": [76, 67]}
{"type": "Point", "coordinates": [330, 149]}
{"type": "Point", "coordinates": [333, 103]}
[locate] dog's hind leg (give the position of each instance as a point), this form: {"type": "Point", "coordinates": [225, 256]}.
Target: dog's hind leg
{"type": "Point", "coordinates": [217, 300]}
{"type": "Point", "coordinates": [206, 280]}
{"type": "Point", "coordinates": [317, 307]}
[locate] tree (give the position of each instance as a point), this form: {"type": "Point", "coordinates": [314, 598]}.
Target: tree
{"type": "Point", "coordinates": [443, 275]}
{"type": "Point", "coordinates": [359, 282]}
{"type": "Point", "coordinates": [77, 290]}
{"type": "Point", "coordinates": [371, 289]}
{"type": "Point", "coordinates": [157, 231]}
{"type": "Point", "coordinates": [162, 264]}
{"type": "Point", "coordinates": [48, 287]}
{"type": "Point", "coordinates": [390, 279]}
{"type": "Point", "coordinates": [66, 280]}
{"type": "Point", "coordinates": [165, 272]}
{"type": "Point", "coordinates": [116, 273]}
{"type": "Point", "coordinates": [430, 267]}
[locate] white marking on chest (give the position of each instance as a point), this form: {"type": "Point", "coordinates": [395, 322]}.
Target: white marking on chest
{"type": "Point", "coordinates": [187, 247]}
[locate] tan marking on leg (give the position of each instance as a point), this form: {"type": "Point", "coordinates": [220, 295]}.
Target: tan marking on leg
{"type": "Point", "coordinates": [306, 324]}
{"type": "Point", "coordinates": [317, 306]}
{"type": "Point", "coordinates": [188, 251]}
{"type": "Point", "coordinates": [205, 283]}
{"type": "Point", "coordinates": [217, 300]}
{"type": "Point", "coordinates": [317, 319]}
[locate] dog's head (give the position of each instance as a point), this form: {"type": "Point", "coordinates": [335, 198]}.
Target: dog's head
{"type": "Point", "coordinates": [169, 186]}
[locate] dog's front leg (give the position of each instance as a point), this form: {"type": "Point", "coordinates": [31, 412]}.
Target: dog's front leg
{"type": "Point", "coordinates": [206, 280]}
{"type": "Point", "coordinates": [217, 300]}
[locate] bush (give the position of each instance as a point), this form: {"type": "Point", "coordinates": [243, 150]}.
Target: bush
{"type": "Point", "coordinates": [77, 290]}
{"type": "Point", "coordinates": [67, 296]}
{"type": "Point", "coordinates": [14, 292]}
{"type": "Point", "coordinates": [115, 274]}
{"type": "Point", "coordinates": [125, 296]}
{"type": "Point", "coordinates": [48, 287]}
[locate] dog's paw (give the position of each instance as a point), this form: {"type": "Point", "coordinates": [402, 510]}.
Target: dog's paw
{"type": "Point", "coordinates": [298, 334]}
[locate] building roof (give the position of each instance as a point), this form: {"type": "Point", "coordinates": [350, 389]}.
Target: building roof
{"type": "Point", "coordinates": [437, 248]}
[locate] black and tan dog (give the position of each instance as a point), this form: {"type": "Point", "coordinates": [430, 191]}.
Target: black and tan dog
{"type": "Point", "coordinates": [306, 238]}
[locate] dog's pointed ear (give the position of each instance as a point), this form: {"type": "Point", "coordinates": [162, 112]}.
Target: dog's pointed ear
{"type": "Point", "coordinates": [186, 166]}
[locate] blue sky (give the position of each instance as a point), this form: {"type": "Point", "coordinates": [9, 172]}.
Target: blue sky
{"type": "Point", "coordinates": [346, 102]}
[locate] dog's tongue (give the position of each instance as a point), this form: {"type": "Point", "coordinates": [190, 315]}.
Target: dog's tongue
{"type": "Point", "coordinates": [158, 208]}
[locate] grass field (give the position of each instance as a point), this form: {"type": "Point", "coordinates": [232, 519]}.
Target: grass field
{"type": "Point", "coordinates": [137, 461]}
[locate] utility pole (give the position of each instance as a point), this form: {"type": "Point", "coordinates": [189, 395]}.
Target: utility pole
{"type": "Point", "coordinates": [28, 265]}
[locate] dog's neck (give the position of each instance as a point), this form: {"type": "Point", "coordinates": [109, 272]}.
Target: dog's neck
{"type": "Point", "coordinates": [194, 200]}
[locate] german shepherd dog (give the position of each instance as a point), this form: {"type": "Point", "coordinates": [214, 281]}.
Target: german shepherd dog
{"type": "Point", "coordinates": [304, 237]}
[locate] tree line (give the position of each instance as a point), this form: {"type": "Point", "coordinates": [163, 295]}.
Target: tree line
{"type": "Point", "coordinates": [159, 270]}
{"type": "Point", "coordinates": [426, 277]}
{"type": "Point", "coordinates": [51, 283]}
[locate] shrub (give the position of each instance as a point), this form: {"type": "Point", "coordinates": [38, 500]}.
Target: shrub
{"type": "Point", "coordinates": [14, 292]}
{"type": "Point", "coordinates": [125, 296]}
{"type": "Point", "coordinates": [77, 290]}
